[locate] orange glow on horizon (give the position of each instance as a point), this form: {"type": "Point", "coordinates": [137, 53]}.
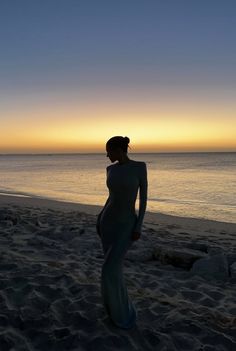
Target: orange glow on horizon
{"type": "Point", "coordinates": [87, 127]}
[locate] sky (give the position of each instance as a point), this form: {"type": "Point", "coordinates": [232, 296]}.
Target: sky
{"type": "Point", "coordinates": [74, 73]}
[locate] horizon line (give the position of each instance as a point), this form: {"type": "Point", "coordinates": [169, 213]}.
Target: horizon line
{"type": "Point", "coordinates": [101, 153]}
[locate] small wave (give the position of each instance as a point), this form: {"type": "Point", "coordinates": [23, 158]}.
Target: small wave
{"type": "Point", "coordinates": [12, 194]}
{"type": "Point", "coordinates": [15, 193]}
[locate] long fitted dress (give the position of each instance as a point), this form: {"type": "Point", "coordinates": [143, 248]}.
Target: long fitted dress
{"type": "Point", "coordinates": [117, 221]}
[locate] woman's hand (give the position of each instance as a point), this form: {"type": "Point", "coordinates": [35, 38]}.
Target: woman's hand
{"type": "Point", "coordinates": [136, 235]}
{"type": "Point", "coordinates": [98, 224]}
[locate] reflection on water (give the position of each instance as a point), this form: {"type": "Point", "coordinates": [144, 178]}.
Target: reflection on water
{"type": "Point", "coordinates": [199, 185]}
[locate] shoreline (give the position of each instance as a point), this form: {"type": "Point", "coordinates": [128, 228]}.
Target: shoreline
{"type": "Point", "coordinates": [150, 218]}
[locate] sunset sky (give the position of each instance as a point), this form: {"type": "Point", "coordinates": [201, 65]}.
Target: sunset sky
{"type": "Point", "coordinates": [74, 73]}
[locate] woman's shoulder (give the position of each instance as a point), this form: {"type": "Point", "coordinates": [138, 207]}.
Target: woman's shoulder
{"type": "Point", "coordinates": [139, 164]}
{"type": "Point", "coordinates": [132, 163]}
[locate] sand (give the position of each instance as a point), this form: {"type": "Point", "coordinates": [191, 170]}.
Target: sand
{"type": "Point", "coordinates": [51, 259]}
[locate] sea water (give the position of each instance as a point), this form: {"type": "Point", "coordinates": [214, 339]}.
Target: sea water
{"type": "Point", "coordinates": [201, 185]}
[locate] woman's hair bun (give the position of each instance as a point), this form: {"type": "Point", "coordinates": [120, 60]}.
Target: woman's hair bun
{"type": "Point", "coordinates": [126, 139]}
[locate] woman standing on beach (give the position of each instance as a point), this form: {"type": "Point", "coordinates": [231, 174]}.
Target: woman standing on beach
{"type": "Point", "coordinates": [118, 226]}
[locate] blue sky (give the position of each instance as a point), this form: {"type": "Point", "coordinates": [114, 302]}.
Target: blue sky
{"type": "Point", "coordinates": [190, 42]}
{"type": "Point", "coordinates": [76, 49]}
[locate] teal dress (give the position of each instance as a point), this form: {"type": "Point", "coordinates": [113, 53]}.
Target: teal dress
{"type": "Point", "coordinates": [115, 225]}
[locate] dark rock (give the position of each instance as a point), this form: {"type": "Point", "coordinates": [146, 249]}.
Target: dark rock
{"type": "Point", "coordinates": [183, 258]}
{"type": "Point", "coordinates": [215, 267]}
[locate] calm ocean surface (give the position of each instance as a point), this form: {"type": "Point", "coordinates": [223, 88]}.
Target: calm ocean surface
{"type": "Point", "coordinates": [201, 185]}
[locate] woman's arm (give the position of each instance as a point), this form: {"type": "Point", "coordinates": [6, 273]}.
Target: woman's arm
{"type": "Point", "coordinates": [104, 206]}
{"type": "Point", "coordinates": [143, 189]}
{"type": "Point", "coordinates": [100, 213]}
{"type": "Point", "coordinates": [107, 198]}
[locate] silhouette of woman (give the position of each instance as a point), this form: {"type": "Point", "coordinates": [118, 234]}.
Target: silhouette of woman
{"type": "Point", "coordinates": [118, 226]}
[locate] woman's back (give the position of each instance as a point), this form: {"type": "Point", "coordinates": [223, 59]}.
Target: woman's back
{"type": "Point", "coordinates": [123, 183]}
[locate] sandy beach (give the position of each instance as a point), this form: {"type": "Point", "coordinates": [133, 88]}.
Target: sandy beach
{"type": "Point", "coordinates": [181, 275]}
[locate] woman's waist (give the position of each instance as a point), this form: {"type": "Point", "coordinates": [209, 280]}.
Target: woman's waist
{"type": "Point", "coordinates": [119, 212]}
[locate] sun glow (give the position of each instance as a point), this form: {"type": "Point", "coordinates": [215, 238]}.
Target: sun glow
{"type": "Point", "coordinates": [87, 127]}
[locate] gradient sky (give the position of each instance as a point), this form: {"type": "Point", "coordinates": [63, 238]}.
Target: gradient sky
{"type": "Point", "coordinates": [74, 73]}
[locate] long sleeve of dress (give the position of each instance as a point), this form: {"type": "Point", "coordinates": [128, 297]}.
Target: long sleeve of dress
{"type": "Point", "coordinates": [108, 196]}
{"type": "Point", "coordinates": [100, 213]}
{"type": "Point", "coordinates": [143, 189]}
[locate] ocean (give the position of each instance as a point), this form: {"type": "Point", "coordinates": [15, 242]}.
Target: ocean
{"type": "Point", "coordinates": [200, 185]}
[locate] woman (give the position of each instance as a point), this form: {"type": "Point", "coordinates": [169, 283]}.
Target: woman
{"type": "Point", "coordinates": [118, 226]}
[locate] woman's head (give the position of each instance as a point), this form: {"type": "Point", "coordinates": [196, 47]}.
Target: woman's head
{"type": "Point", "coordinates": [117, 146]}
